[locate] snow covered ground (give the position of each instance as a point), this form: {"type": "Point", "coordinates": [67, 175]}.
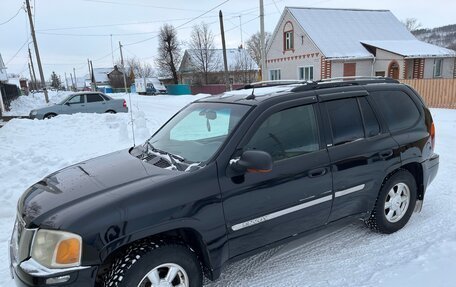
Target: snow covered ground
{"type": "Point", "coordinates": [422, 254]}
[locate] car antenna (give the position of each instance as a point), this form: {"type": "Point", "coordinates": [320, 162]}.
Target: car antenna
{"type": "Point", "coordinates": [252, 95]}
{"type": "Point", "coordinates": [129, 93]}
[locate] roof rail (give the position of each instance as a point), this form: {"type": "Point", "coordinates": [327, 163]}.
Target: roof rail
{"type": "Point", "coordinates": [343, 82]}
{"type": "Point", "coordinates": [272, 84]}
{"type": "Point", "coordinates": [386, 79]}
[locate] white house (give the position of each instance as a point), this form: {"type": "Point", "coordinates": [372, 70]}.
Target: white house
{"type": "Point", "coordinates": [318, 43]}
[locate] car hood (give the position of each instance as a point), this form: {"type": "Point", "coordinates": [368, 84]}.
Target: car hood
{"type": "Point", "coordinates": [90, 180]}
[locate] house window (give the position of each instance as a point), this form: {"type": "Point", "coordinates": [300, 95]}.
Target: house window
{"type": "Point", "coordinates": [289, 40]}
{"type": "Point", "coordinates": [274, 75]}
{"type": "Point", "coordinates": [306, 73]}
{"type": "Point", "coordinates": [438, 68]}
{"type": "Point", "coordinates": [288, 36]}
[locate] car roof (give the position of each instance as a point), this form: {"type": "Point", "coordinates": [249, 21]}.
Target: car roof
{"type": "Point", "coordinates": [256, 93]}
{"type": "Point", "coordinates": [84, 93]}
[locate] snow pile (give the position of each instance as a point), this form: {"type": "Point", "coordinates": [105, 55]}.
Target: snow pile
{"type": "Point", "coordinates": [24, 104]}
{"type": "Point", "coordinates": [419, 255]}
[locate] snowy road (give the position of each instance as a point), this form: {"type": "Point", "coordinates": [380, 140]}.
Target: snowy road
{"type": "Point", "coordinates": [422, 254]}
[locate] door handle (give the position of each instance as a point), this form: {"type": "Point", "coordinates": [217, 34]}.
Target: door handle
{"type": "Point", "coordinates": [386, 154]}
{"type": "Point", "coordinates": [317, 172]}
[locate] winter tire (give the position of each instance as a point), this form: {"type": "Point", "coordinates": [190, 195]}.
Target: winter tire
{"type": "Point", "coordinates": [147, 264]}
{"type": "Point", "coordinates": [49, 116]}
{"type": "Point", "coordinates": [395, 203]}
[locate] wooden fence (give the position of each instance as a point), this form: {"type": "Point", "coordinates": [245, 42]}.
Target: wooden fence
{"type": "Point", "coordinates": [437, 93]}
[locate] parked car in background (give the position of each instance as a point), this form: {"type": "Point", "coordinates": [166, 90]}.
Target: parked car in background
{"type": "Point", "coordinates": [227, 177]}
{"type": "Point", "coordinates": [149, 86]}
{"type": "Point", "coordinates": [82, 102]}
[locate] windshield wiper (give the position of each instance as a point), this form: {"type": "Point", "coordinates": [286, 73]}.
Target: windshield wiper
{"type": "Point", "coordinates": [172, 156]}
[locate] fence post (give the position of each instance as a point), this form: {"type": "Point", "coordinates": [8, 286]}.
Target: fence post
{"type": "Point", "coordinates": [2, 105]}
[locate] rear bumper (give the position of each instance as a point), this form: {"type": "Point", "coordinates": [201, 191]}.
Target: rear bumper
{"type": "Point", "coordinates": [430, 169]}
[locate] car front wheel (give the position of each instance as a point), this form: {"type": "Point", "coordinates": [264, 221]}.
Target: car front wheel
{"type": "Point", "coordinates": [148, 264]}
{"type": "Point", "coordinates": [395, 203]}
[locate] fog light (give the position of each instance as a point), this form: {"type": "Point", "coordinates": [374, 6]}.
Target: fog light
{"type": "Point", "coordinates": [60, 279]}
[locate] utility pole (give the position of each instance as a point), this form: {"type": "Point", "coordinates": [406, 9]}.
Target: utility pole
{"type": "Point", "coordinates": [75, 80]}
{"type": "Point", "coordinates": [92, 77]}
{"type": "Point", "coordinates": [31, 77]}
{"type": "Point", "coordinates": [240, 26]}
{"type": "Point", "coordinates": [66, 82]}
{"type": "Point", "coordinates": [72, 82]}
{"type": "Point", "coordinates": [33, 69]}
{"type": "Point", "coordinates": [90, 74]}
{"type": "Point", "coordinates": [126, 91]}
{"type": "Point", "coordinates": [37, 52]}
{"type": "Point", "coordinates": [225, 62]}
{"type": "Point", "coordinates": [262, 43]}
{"type": "Point", "coordinates": [112, 52]}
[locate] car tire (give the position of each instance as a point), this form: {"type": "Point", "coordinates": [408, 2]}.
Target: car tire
{"type": "Point", "coordinates": [49, 116]}
{"type": "Point", "coordinates": [395, 203]}
{"type": "Point", "coordinates": [146, 261]}
{"type": "Point", "coordinates": [110, 112]}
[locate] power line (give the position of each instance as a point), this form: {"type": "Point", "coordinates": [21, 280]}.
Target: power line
{"type": "Point", "coordinates": [18, 51]}
{"type": "Point", "coordinates": [141, 5]}
{"type": "Point", "coordinates": [180, 26]}
{"type": "Point", "coordinates": [96, 35]}
{"type": "Point", "coordinates": [10, 19]}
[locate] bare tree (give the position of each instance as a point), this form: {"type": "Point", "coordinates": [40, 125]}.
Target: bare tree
{"type": "Point", "coordinates": [411, 24]}
{"type": "Point", "coordinates": [202, 49]}
{"type": "Point", "coordinates": [244, 68]}
{"type": "Point", "coordinates": [169, 52]}
{"type": "Point", "coordinates": [254, 46]}
{"type": "Point", "coordinates": [137, 68]}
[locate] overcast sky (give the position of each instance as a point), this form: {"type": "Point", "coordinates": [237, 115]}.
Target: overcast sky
{"type": "Point", "coordinates": [67, 38]}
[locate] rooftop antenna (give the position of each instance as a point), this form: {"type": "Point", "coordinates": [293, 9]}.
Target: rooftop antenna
{"type": "Point", "coordinates": [252, 95]}
{"type": "Point", "coordinates": [129, 94]}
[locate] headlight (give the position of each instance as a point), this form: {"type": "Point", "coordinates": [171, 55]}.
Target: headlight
{"type": "Point", "coordinates": [57, 249]}
{"type": "Point", "coordinates": [33, 113]}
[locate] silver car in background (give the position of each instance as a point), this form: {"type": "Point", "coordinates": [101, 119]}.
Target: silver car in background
{"type": "Point", "coordinates": [82, 102]}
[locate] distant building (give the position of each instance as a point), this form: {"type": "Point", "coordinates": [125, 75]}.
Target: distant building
{"type": "Point", "coordinates": [317, 43]}
{"type": "Point", "coordinates": [242, 68]}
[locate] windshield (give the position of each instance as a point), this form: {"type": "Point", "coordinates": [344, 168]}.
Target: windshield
{"type": "Point", "coordinates": [198, 131]}
{"type": "Point", "coordinates": [65, 99]}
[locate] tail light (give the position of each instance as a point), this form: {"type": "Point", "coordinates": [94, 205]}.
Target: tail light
{"type": "Point", "coordinates": [125, 104]}
{"type": "Point", "coordinates": [432, 132]}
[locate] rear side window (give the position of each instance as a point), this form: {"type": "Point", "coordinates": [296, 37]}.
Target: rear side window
{"type": "Point", "coordinates": [92, 98]}
{"type": "Point", "coordinates": [287, 133]}
{"type": "Point", "coordinates": [104, 97]}
{"type": "Point", "coordinates": [370, 121]}
{"type": "Point", "coordinates": [398, 109]}
{"type": "Point", "coordinates": [346, 121]}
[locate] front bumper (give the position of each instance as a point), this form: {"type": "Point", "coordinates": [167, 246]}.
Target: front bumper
{"type": "Point", "coordinates": [30, 274]}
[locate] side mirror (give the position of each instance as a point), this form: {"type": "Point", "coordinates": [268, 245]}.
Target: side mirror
{"type": "Point", "coordinates": [254, 161]}
{"type": "Point", "coordinates": [67, 103]}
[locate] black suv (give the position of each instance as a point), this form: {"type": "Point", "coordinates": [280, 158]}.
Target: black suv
{"type": "Point", "coordinates": [226, 177]}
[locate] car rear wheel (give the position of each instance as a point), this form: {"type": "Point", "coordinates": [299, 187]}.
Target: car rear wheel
{"type": "Point", "coordinates": [395, 203]}
{"type": "Point", "coordinates": [148, 264]}
{"type": "Point", "coordinates": [49, 116]}
{"type": "Point", "coordinates": [110, 112]}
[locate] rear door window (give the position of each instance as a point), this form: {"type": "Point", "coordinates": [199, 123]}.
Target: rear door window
{"type": "Point", "coordinates": [398, 109]}
{"type": "Point", "coordinates": [93, 98]}
{"type": "Point", "coordinates": [346, 121]}
{"type": "Point", "coordinates": [370, 120]}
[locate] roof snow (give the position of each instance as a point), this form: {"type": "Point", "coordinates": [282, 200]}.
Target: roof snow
{"type": "Point", "coordinates": [338, 33]}
{"type": "Point", "coordinates": [238, 59]}
{"type": "Point", "coordinates": [411, 48]}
